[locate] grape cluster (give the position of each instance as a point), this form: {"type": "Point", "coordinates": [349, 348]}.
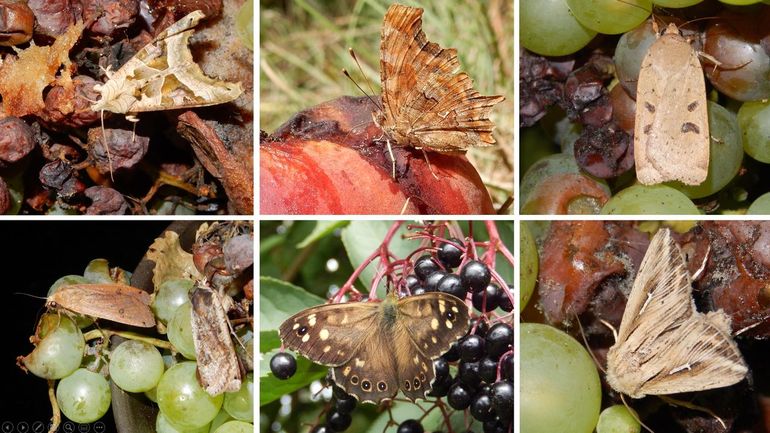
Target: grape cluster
{"type": "Point", "coordinates": [483, 384]}
{"type": "Point", "coordinates": [167, 377]}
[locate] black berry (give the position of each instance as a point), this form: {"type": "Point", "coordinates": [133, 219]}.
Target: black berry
{"type": "Point", "coordinates": [320, 429]}
{"type": "Point", "coordinates": [283, 365]}
{"type": "Point", "coordinates": [505, 302]}
{"type": "Point", "coordinates": [449, 255]}
{"type": "Point", "coordinates": [441, 367]}
{"type": "Point", "coordinates": [502, 399]}
{"type": "Point", "coordinates": [451, 284]}
{"type": "Point", "coordinates": [469, 374]}
{"type": "Point", "coordinates": [459, 396]}
{"type": "Point", "coordinates": [440, 387]}
{"type": "Point", "coordinates": [507, 367]}
{"type": "Point", "coordinates": [412, 282]}
{"type": "Point", "coordinates": [499, 339]}
{"type": "Point", "coordinates": [337, 421]}
{"type": "Point", "coordinates": [345, 405]}
{"type": "Point", "coordinates": [475, 275]}
{"type": "Point", "coordinates": [453, 354]}
{"type": "Point", "coordinates": [419, 291]}
{"type": "Point", "coordinates": [495, 426]}
{"type": "Point", "coordinates": [488, 369]}
{"type": "Point", "coordinates": [481, 407]}
{"type": "Point", "coordinates": [410, 426]}
{"type": "Point", "coordinates": [431, 282]}
{"type": "Point", "coordinates": [425, 266]}
{"type": "Point", "coordinates": [492, 300]}
{"type": "Point", "coordinates": [482, 326]}
{"type": "Point", "coordinates": [471, 348]}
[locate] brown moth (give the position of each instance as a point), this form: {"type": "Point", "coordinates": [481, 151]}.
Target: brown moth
{"type": "Point", "coordinates": [218, 367]}
{"type": "Point", "coordinates": [377, 348]}
{"type": "Point", "coordinates": [426, 102]}
{"type": "Point", "coordinates": [671, 130]}
{"type": "Point", "coordinates": [163, 76]}
{"type": "Point", "coordinates": [665, 346]}
{"type": "Point", "coordinates": [116, 302]}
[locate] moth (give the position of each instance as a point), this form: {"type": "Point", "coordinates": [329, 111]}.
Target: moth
{"type": "Point", "coordinates": [164, 76]}
{"type": "Point", "coordinates": [426, 103]}
{"type": "Point", "coordinates": [218, 367]}
{"type": "Point", "coordinates": [671, 129]}
{"type": "Point", "coordinates": [664, 345]}
{"type": "Point", "coordinates": [376, 349]}
{"type": "Point", "coordinates": [116, 302]}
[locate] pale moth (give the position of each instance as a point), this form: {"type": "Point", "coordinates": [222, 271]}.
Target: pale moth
{"type": "Point", "coordinates": [671, 130]}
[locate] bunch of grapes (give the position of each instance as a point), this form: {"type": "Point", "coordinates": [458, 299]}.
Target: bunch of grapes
{"type": "Point", "coordinates": [84, 356]}
{"type": "Point", "coordinates": [476, 374]}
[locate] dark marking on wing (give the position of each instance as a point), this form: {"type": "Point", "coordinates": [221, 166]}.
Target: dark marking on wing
{"type": "Point", "coordinates": [649, 107]}
{"type": "Point", "coordinates": [647, 129]}
{"type": "Point", "coordinates": [693, 105]}
{"type": "Point", "coordinates": [690, 127]}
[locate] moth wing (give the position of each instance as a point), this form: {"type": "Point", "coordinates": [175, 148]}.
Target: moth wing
{"type": "Point", "coordinates": [218, 367]}
{"type": "Point", "coordinates": [116, 302]}
{"type": "Point", "coordinates": [671, 132]}
{"type": "Point", "coordinates": [422, 92]}
{"type": "Point", "coordinates": [330, 334]}
{"type": "Point", "coordinates": [702, 356]}
{"type": "Point", "coordinates": [427, 326]}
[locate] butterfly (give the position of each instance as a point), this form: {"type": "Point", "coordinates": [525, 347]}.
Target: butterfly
{"type": "Point", "coordinates": [377, 348]}
{"type": "Point", "coordinates": [665, 346]}
{"type": "Point", "coordinates": [426, 102]}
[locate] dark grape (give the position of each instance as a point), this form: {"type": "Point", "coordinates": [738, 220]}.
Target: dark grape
{"type": "Point", "coordinates": [451, 284]}
{"type": "Point", "coordinates": [449, 255]}
{"type": "Point", "coordinates": [425, 266]}
{"type": "Point", "coordinates": [410, 426]}
{"type": "Point", "coordinates": [471, 347]}
{"type": "Point", "coordinates": [459, 396]}
{"type": "Point", "coordinates": [499, 339]}
{"type": "Point", "coordinates": [492, 293]}
{"type": "Point", "coordinates": [475, 275]}
{"type": "Point", "coordinates": [283, 365]}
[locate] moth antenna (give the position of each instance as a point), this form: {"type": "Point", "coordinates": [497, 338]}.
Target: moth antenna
{"type": "Point", "coordinates": [31, 296]}
{"type": "Point", "coordinates": [585, 341]}
{"type": "Point", "coordinates": [633, 414]}
{"type": "Point", "coordinates": [688, 405]}
{"type": "Point", "coordinates": [361, 70]}
{"type": "Point", "coordinates": [376, 104]}
{"type": "Point", "coordinates": [752, 326]}
{"type": "Point", "coordinates": [106, 147]}
{"type": "Point", "coordinates": [612, 328]}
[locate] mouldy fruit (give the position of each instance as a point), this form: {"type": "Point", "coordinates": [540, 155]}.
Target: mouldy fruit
{"type": "Point", "coordinates": [331, 159]}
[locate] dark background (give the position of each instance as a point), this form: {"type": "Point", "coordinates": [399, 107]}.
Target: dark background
{"type": "Point", "coordinates": [33, 255]}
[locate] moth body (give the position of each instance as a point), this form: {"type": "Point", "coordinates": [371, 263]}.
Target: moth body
{"type": "Point", "coordinates": [664, 345]}
{"type": "Point", "coordinates": [115, 302]}
{"type": "Point", "coordinates": [671, 130]}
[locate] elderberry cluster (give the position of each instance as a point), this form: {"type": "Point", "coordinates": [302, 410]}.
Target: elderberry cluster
{"type": "Point", "coordinates": [338, 418]}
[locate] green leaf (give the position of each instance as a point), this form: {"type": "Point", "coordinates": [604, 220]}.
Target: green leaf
{"type": "Point", "coordinates": [271, 388]}
{"type": "Point", "coordinates": [321, 230]}
{"type": "Point", "coordinates": [362, 238]}
{"type": "Point", "coordinates": [268, 340]}
{"type": "Point", "coordinates": [279, 300]}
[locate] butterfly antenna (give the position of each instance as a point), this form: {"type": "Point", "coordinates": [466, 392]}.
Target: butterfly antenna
{"type": "Point", "coordinates": [347, 74]}
{"type": "Point", "coordinates": [361, 71]}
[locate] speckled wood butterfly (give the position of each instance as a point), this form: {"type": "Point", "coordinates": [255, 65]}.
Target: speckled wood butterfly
{"type": "Point", "coordinates": [377, 348]}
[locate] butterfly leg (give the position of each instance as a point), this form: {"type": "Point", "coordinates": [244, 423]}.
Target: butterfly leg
{"type": "Point", "coordinates": [392, 158]}
{"type": "Point", "coordinates": [430, 167]}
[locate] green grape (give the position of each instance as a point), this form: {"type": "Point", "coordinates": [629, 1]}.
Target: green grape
{"type": "Point", "coordinates": [81, 320]}
{"type": "Point", "coordinates": [98, 271]}
{"type": "Point", "coordinates": [244, 23]}
{"type": "Point", "coordinates": [183, 401]}
{"type": "Point", "coordinates": [754, 119]}
{"type": "Point", "coordinates": [760, 206]}
{"type": "Point", "coordinates": [84, 396]}
{"type": "Point", "coordinates": [60, 351]}
{"type": "Point", "coordinates": [548, 28]}
{"type": "Point", "coordinates": [136, 366]}
{"type": "Point", "coordinates": [235, 427]}
{"type": "Point", "coordinates": [725, 157]}
{"type": "Point", "coordinates": [152, 395]}
{"type": "Point", "coordinates": [610, 16]}
{"type": "Point", "coordinates": [528, 264]}
{"type": "Point", "coordinates": [559, 163]}
{"type": "Point", "coordinates": [629, 54]}
{"type": "Point", "coordinates": [221, 418]}
{"type": "Point", "coordinates": [618, 419]}
{"type": "Point", "coordinates": [675, 3]}
{"type": "Point", "coordinates": [180, 331]}
{"type": "Point", "coordinates": [170, 295]}
{"type": "Point", "coordinates": [560, 387]}
{"type": "Point", "coordinates": [240, 404]}
{"type": "Point", "coordinates": [649, 200]}
{"type": "Point", "coordinates": [162, 425]}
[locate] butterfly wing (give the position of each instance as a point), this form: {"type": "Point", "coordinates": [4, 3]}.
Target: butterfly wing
{"type": "Point", "coordinates": [117, 302]}
{"type": "Point", "coordinates": [426, 102]}
{"type": "Point", "coordinates": [664, 345]}
{"type": "Point", "coordinates": [330, 334]}
{"type": "Point", "coordinates": [370, 374]}
{"type": "Point", "coordinates": [427, 326]}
